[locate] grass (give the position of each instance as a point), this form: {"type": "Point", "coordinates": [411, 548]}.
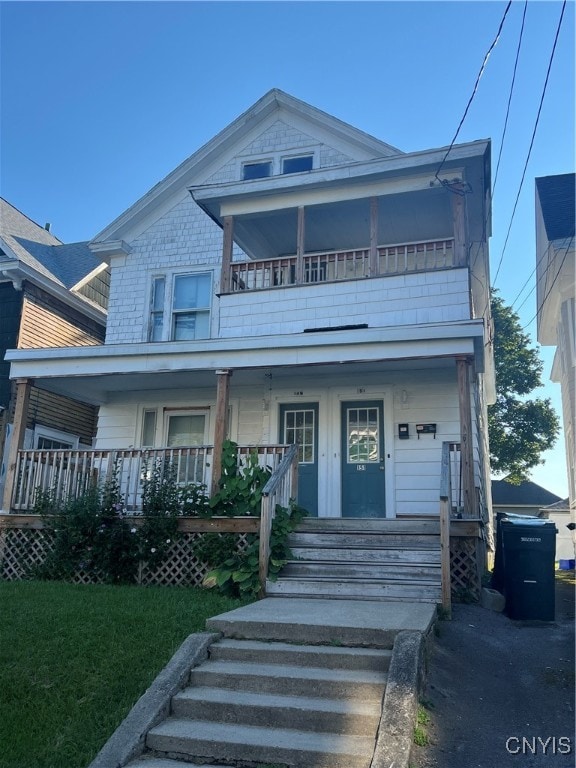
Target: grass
{"type": "Point", "coordinates": [74, 659]}
{"type": "Point", "coordinates": [420, 729]}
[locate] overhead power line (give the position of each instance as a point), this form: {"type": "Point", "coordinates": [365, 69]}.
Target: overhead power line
{"type": "Point", "coordinates": [567, 251]}
{"type": "Point", "coordinates": [518, 47]}
{"type": "Point", "coordinates": [471, 99]}
{"type": "Point", "coordinates": [531, 141]}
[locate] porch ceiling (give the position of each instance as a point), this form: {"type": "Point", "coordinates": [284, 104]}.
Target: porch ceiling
{"type": "Point", "coordinates": [343, 225]}
{"type": "Point", "coordinates": [99, 389]}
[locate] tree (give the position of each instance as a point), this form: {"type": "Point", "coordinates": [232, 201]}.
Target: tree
{"type": "Point", "coordinates": [520, 429]}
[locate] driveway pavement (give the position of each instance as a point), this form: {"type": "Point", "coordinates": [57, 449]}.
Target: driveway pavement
{"type": "Point", "coordinates": [501, 692]}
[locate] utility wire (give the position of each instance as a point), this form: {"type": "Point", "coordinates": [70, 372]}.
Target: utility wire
{"type": "Point", "coordinates": [532, 140]}
{"type": "Point", "coordinates": [568, 247]}
{"type": "Point", "coordinates": [510, 96]}
{"type": "Point", "coordinates": [480, 73]}
{"type": "Point", "coordinates": [538, 261]}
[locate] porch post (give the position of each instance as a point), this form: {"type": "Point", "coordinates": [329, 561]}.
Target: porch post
{"type": "Point", "coordinates": [228, 242]}
{"type": "Point", "coordinates": [458, 200]}
{"type": "Point", "coordinates": [466, 442]}
{"type": "Point", "coordinates": [23, 387]}
{"type": "Point", "coordinates": [374, 267]}
{"type": "Point", "coordinates": [221, 426]}
{"type": "Point", "coordinates": [300, 241]}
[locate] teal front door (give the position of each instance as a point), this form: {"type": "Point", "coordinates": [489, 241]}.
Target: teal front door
{"type": "Point", "coordinates": [299, 424]}
{"type": "Point", "coordinates": [363, 465]}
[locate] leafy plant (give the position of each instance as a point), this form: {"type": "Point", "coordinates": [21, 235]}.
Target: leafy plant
{"type": "Point", "coordinates": [240, 486]}
{"type": "Point", "coordinates": [238, 575]}
{"type": "Point", "coordinates": [215, 548]}
{"type": "Point", "coordinates": [91, 533]}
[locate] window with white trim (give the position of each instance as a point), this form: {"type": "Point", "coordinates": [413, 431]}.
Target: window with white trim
{"type": "Point", "coordinates": [186, 315]}
{"type": "Point", "coordinates": [148, 428]}
{"type": "Point", "coordinates": [297, 164]}
{"type": "Point", "coordinates": [157, 308]}
{"type": "Point", "coordinates": [191, 307]}
{"type": "Point", "coordinates": [48, 439]}
{"type": "Point", "coordinates": [279, 164]}
{"type": "Point", "coordinates": [258, 170]}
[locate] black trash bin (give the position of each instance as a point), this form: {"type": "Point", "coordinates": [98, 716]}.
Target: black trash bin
{"type": "Point", "coordinates": [529, 548]}
{"type": "Point", "coordinates": [497, 581]}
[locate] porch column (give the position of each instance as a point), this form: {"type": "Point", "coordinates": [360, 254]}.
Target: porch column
{"type": "Point", "coordinates": [458, 200]}
{"type": "Point", "coordinates": [228, 242]}
{"type": "Point", "coordinates": [374, 267]}
{"type": "Point", "coordinates": [300, 245]}
{"type": "Point", "coordinates": [23, 387]}
{"type": "Point", "coordinates": [463, 365]}
{"type": "Point", "coordinates": [221, 426]}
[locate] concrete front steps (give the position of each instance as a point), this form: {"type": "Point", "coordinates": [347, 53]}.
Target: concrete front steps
{"type": "Point", "coordinates": [367, 559]}
{"type": "Point", "coordinates": [277, 703]}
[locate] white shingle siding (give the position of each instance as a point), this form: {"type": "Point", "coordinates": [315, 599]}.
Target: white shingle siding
{"type": "Point", "coordinates": [379, 302]}
{"type": "Point", "coordinates": [186, 236]}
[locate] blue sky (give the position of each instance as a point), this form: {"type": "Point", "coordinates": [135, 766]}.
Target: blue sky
{"type": "Point", "coordinates": [101, 100]}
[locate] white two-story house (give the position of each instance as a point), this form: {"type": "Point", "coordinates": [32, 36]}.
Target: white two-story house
{"type": "Point", "coordinates": [299, 281]}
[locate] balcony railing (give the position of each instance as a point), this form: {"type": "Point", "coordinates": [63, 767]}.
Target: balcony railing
{"type": "Point", "coordinates": [67, 474]}
{"type": "Point", "coordinates": [342, 265]}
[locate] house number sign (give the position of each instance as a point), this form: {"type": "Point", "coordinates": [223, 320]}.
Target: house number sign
{"type": "Point", "coordinates": [360, 467]}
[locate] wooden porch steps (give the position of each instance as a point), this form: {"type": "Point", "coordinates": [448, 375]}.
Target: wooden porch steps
{"type": "Point", "coordinates": [363, 559]}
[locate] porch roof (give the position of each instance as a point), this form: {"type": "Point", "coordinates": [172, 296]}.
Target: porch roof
{"type": "Point", "coordinates": [90, 374]}
{"type": "Point", "coordinates": [398, 181]}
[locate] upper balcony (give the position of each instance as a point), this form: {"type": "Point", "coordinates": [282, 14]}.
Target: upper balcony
{"type": "Point", "coordinates": [387, 217]}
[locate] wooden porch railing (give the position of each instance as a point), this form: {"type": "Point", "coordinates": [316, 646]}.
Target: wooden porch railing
{"type": "Point", "coordinates": [341, 265]}
{"type": "Point", "coordinates": [280, 488]}
{"type": "Point", "coordinates": [69, 473]}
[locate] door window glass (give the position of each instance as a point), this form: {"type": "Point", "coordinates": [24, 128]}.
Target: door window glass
{"type": "Point", "coordinates": [362, 435]}
{"type": "Point", "coordinates": [300, 427]}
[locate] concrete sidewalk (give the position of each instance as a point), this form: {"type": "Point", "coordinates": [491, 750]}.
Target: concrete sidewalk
{"type": "Point", "coordinates": [343, 622]}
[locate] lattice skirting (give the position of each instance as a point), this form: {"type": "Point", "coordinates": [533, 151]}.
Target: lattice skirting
{"type": "Point", "coordinates": [465, 569]}
{"type": "Point", "coordinates": [24, 549]}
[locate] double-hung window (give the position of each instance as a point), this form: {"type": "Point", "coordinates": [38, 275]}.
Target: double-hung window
{"type": "Point", "coordinates": [186, 314]}
{"type": "Point", "coordinates": [191, 307]}
{"type": "Point", "coordinates": [157, 309]}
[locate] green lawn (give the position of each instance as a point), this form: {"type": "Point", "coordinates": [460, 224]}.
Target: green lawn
{"type": "Point", "coordinates": [74, 659]}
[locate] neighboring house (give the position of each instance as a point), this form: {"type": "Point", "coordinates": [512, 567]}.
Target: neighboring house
{"type": "Point", "coordinates": [297, 280]}
{"type": "Point", "coordinates": [555, 296]}
{"type": "Point", "coordinates": [51, 295]}
{"type": "Point", "coordinates": [525, 498]}
{"type": "Point", "coordinates": [559, 512]}
{"type": "Point", "coordinates": [528, 498]}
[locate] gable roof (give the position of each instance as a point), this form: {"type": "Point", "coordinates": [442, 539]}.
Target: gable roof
{"type": "Point", "coordinates": [526, 494]}
{"type": "Point", "coordinates": [560, 506]}
{"type": "Point", "coordinates": [29, 251]}
{"type": "Point", "coordinates": [34, 247]}
{"type": "Point", "coordinates": [557, 202]}
{"type": "Point", "coordinates": [274, 101]}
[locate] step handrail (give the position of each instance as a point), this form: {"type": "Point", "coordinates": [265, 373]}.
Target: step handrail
{"type": "Point", "coordinates": [445, 506]}
{"type": "Point", "coordinates": [280, 488]}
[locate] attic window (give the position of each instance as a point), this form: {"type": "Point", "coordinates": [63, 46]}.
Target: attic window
{"type": "Point", "coordinates": [297, 164]}
{"type": "Point", "coordinates": [259, 170]}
